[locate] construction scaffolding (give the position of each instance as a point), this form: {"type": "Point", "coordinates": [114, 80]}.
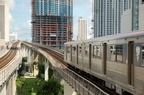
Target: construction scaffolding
{"type": "Point", "coordinates": [51, 29]}
{"type": "Point", "coordinates": [48, 31]}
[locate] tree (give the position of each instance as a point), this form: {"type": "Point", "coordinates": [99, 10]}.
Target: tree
{"type": "Point", "coordinates": [19, 83]}
{"type": "Point", "coordinates": [41, 71]}
{"type": "Point", "coordinates": [50, 73]}
{"type": "Point", "coordinates": [50, 87]}
{"type": "Point", "coordinates": [24, 59]}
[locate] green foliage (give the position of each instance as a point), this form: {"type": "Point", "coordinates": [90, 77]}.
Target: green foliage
{"type": "Point", "coordinates": [30, 86]}
{"type": "Point", "coordinates": [19, 83]}
{"type": "Point", "coordinates": [41, 68]}
{"type": "Point", "coordinates": [41, 71]}
{"type": "Point", "coordinates": [33, 93]}
{"type": "Point", "coordinates": [35, 63]}
{"type": "Point", "coordinates": [62, 52]}
{"type": "Point", "coordinates": [24, 59]}
{"type": "Point", "coordinates": [50, 73]}
{"type": "Point", "coordinates": [42, 76]}
{"type": "Point", "coordinates": [20, 70]}
{"type": "Point", "coordinates": [50, 87]}
{"type": "Point", "coordinates": [77, 93]}
{"type": "Point", "coordinates": [31, 68]}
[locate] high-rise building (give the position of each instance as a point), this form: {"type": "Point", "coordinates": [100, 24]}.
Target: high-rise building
{"type": "Point", "coordinates": [52, 22]}
{"type": "Point", "coordinates": [4, 21]}
{"type": "Point", "coordinates": [82, 29]}
{"type": "Point", "coordinates": [13, 37]}
{"type": "Point", "coordinates": [133, 19]}
{"type": "Point", "coordinates": [107, 16]}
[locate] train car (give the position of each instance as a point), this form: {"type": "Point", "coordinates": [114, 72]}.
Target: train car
{"type": "Point", "coordinates": [118, 60]}
{"type": "Point", "coordinates": [71, 53]}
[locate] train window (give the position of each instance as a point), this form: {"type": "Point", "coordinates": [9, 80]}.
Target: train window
{"type": "Point", "coordinates": [74, 50]}
{"type": "Point", "coordinates": [86, 50]}
{"type": "Point", "coordinates": [94, 51]}
{"type": "Point", "coordinates": [68, 49]}
{"type": "Point", "coordinates": [113, 53]}
{"type": "Point", "coordinates": [98, 51]}
{"type": "Point", "coordinates": [119, 53]}
{"type": "Point", "coordinates": [80, 52]}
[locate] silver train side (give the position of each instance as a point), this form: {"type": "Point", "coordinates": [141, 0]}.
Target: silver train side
{"type": "Point", "coordinates": [118, 60]}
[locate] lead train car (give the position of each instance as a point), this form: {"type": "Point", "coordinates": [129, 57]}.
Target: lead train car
{"type": "Point", "coordinates": [118, 60]}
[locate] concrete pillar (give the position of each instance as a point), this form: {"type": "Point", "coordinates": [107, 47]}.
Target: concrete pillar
{"type": "Point", "coordinates": [68, 90]}
{"type": "Point", "coordinates": [8, 87]}
{"type": "Point", "coordinates": [46, 69]}
{"type": "Point", "coordinates": [35, 66]}
{"type": "Point", "coordinates": [3, 90]}
{"type": "Point", "coordinates": [13, 89]}
{"type": "Point", "coordinates": [29, 56]}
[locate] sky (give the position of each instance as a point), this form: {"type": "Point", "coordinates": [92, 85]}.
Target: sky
{"type": "Point", "coordinates": [20, 17]}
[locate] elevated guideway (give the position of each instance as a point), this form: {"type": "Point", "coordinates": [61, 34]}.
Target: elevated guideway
{"type": "Point", "coordinates": [9, 64]}
{"type": "Point", "coordinates": [76, 80]}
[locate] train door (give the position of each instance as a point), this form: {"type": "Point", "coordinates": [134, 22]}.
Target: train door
{"type": "Point", "coordinates": [71, 53]}
{"type": "Point", "coordinates": [89, 56]}
{"type": "Point", "coordinates": [104, 58]}
{"type": "Point", "coordinates": [77, 49]}
{"type": "Point", "coordinates": [65, 52]}
{"type": "Point", "coordinates": [131, 63]}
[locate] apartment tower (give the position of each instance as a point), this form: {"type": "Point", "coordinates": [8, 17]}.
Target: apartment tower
{"type": "Point", "coordinates": [107, 16]}
{"type": "Point", "coordinates": [52, 22]}
{"type": "Point", "coordinates": [82, 29]}
{"type": "Point", "coordinates": [4, 21]}
{"type": "Point", "coordinates": [133, 19]}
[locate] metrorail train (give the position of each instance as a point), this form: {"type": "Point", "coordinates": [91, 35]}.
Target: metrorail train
{"type": "Point", "coordinates": [118, 60]}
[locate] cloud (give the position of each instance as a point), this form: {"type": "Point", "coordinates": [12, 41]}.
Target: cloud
{"type": "Point", "coordinates": [20, 19]}
{"type": "Point", "coordinates": [23, 31]}
{"type": "Point", "coordinates": [10, 17]}
{"type": "Point", "coordinates": [25, 4]}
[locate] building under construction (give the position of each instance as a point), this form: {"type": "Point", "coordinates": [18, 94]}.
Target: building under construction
{"type": "Point", "coordinates": [52, 22]}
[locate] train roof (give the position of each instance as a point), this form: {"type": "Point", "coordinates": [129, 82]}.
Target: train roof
{"type": "Point", "coordinates": [74, 42]}
{"type": "Point", "coordinates": [118, 36]}
{"type": "Point", "coordinates": [112, 37]}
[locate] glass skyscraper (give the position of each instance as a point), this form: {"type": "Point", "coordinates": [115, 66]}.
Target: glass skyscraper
{"type": "Point", "coordinates": [107, 16]}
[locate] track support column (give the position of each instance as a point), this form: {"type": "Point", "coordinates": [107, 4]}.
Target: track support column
{"type": "Point", "coordinates": [46, 69]}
